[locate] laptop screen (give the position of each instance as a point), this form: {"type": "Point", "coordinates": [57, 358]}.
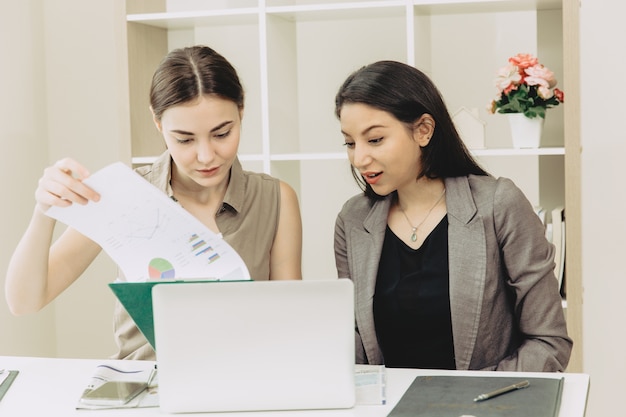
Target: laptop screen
{"type": "Point", "coordinates": [256, 345]}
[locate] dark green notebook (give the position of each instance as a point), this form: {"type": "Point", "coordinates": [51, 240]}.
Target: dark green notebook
{"type": "Point", "coordinates": [4, 387]}
{"type": "Point", "coordinates": [453, 395]}
{"type": "Point", "coordinates": [136, 297]}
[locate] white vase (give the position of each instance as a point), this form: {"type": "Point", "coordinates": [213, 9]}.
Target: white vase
{"type": "Point", "coordinates": [525, 132]}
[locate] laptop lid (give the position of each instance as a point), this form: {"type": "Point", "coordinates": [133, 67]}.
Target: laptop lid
{"type": "Point", "coordinates": [257, 345]}
{"type": "Point", "coordinates": [136, 298]}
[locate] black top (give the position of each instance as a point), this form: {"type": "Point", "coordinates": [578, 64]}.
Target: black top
{"type": "Point", "coordinates": [412, 302]}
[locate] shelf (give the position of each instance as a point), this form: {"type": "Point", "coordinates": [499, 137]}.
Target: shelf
{"type": "Point", "coordinates": [323, 9]}
{"type": "Point", "coordinates": [141, 160]}
{"type": "Point", "coordinates": [336, 11]}
{"type": "Point", "coordinates": [292, 55]}
{"type": "Point", "coordinates": [191, 19]}
{"type": "Point", "coordinates": [485, 6]}
{"type": "Point", "coordinates": [518, 152]}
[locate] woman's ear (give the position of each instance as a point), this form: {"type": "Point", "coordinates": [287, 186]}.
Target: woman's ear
{"type": "Point", "coordinates": [156, 121]}
{"type": "Point", "coordinates": [423, 129]}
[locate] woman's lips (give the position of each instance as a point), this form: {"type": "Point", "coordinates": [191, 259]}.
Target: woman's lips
{"type": "Point", "coordinates": [371, 177]}
{"type": "Point", "coordinates": [208, 172]}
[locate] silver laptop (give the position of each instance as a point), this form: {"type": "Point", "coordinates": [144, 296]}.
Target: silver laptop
{"type": "Point", "coordinates": [256, 345]}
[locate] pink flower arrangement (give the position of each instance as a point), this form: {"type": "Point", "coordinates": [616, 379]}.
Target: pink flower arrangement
{"type": "Point", "coordinates": [525, 86]}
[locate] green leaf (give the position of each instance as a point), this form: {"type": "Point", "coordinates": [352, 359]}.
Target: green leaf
{"type": "Point", "coordinates": [525, 100]}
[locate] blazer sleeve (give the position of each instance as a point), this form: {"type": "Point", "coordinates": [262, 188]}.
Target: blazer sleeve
{"type": "Point", "coordinates": [343, 271]}
{"type": "Point", "coordinates": [341, 251]}
{"type": "Point", "coordinates": [528, 259]}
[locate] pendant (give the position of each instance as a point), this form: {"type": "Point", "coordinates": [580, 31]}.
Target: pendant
{"type": "Point", "coordinates": [414, 235]}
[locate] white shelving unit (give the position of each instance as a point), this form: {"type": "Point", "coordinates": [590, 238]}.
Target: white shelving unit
{"type": "Point", "coordinates": [292, 55]}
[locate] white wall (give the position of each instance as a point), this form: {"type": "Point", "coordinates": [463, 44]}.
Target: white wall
{"type": "Point", "coordinates": [23, 136]}
{"type": "Point", "coordinates": [603, 137]}
{"type": "Point", "coordinates": [64, 70]}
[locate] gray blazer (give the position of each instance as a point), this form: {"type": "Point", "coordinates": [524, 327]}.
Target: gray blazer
{"type": "Point", "coordinates": [505, 304]}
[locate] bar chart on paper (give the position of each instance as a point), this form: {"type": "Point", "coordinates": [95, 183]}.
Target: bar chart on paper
{"type": "Point", "coordinates": [201, 248]}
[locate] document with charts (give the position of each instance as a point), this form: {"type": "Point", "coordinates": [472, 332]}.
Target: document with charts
{"type": "Point", "coordinates": [147, 234]}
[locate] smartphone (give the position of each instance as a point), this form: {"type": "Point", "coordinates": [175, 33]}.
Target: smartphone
{"type": "Point", "coordinates": [113, 393]}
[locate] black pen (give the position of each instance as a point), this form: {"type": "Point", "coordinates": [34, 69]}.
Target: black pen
{"type": "Point", "coordinates": [501, 391]}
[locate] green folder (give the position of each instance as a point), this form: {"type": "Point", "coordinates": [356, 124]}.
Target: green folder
{"type": "Point", "coordinates": [4, 386]}
{"type": "Point", "coordinates": [136, 297]}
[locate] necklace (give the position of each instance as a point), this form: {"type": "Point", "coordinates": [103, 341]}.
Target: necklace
{"type": "Point", "coordinates": [414, 228]}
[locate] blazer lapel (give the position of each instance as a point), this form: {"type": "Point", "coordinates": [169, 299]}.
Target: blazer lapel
{"type": "Point", "coordinates": [467, 264]}
{"type": "Point", "coordinates": [366, 246]}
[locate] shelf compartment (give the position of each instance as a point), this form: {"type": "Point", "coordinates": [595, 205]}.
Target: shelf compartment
{"type": "Point", "coordinates": [304, 78]}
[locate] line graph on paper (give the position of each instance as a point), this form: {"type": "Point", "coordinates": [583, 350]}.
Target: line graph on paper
{"type": "Point", "coordinates": [139, 225]}
{"type": "Point", "coordinates": [147, 228]}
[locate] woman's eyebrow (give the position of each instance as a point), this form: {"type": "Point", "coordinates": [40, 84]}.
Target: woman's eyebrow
{"type": "Point", "coordinates": [221, 125]}
{"type": "Point", "coordinates": [216, 128]}
{"type": "Point", "coordinates": [181, 132]}
{"type": "Point", "coordinates": [366, 131]}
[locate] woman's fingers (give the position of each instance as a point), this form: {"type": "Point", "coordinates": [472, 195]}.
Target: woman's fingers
{"type": "Point", "coordinates": [62, 185]}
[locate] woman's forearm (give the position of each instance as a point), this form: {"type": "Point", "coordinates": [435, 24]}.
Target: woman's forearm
{"type": "Point", "coordinates": [27, 274]}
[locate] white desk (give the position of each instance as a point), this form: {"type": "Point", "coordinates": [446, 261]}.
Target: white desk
{"type": "Point", "coordinates": [51, 387]}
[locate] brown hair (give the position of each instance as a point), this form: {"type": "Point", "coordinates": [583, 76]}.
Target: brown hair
{"type": "Point", "coordinates": [407, 93]}
{"type": "Point", "coordinates": [189, 73]}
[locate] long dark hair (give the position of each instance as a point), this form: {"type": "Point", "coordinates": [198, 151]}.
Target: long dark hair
{"type": "Point", "coordinates": [407, 93]}
{"type": "Point", "coordinates": [188, 73]}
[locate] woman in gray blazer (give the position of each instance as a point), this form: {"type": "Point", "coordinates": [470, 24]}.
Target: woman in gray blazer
{"type": "Point", "coordinates": [451, 266]}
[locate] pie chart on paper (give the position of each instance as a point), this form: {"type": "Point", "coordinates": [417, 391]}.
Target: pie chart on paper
{"type": "Point", "coordinates": [160, 268]}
